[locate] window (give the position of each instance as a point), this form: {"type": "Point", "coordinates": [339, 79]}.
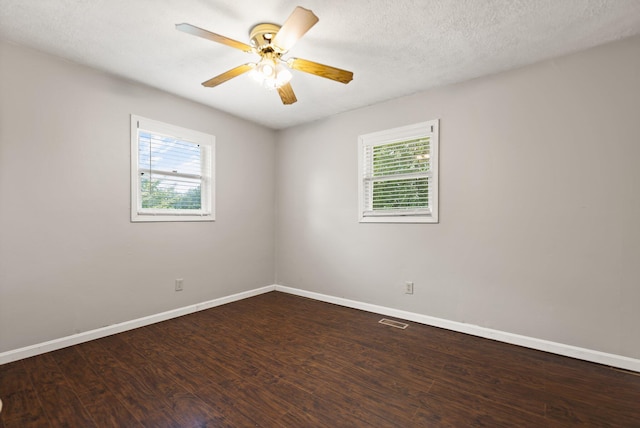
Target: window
{"type": "Point", "coordinates": [171, 172]}
{"type": "Point", "coordinates": [398, 175]}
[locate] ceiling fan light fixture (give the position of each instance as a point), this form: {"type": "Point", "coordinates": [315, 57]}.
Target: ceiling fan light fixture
{"type": "Point", "coordinates": [267, 67]}
{"type": "Point", "coordinates": [271, 73]}
{"type": "Point", "coordinates": [283, 75]}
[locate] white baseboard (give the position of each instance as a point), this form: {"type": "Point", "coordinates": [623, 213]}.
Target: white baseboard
{"type": "Point", "coordinates": [501, 336]}
{"type": "Point", "coordinates": [475, 330]}
{"type": "Point", "coordinates": [63, 342]}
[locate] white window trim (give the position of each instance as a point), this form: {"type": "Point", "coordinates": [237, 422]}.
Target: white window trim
{"type": "Point", "coordinates": [206, 141]}
{"type": "Point", "coordinates": [422, 129]}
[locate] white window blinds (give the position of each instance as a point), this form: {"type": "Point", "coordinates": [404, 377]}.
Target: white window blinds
{"type": "Point", "coordinates": [174, 172]}
{"type": "Point", "coordinates": [396, 178]}
{"type": "Point", "coordinates": [398, 174]}
{"type": "Point", "coordinates": [170, 173]}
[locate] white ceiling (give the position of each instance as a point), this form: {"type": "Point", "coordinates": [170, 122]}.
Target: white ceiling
{"type": "Point", "coordinates": [394, 48]}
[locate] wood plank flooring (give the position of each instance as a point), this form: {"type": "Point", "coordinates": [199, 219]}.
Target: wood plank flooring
{"type": "Point", "coordinates": [278, 360]}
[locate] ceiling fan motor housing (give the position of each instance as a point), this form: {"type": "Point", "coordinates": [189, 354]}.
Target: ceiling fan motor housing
{"type": "Point", "coordinates": [262, 35]}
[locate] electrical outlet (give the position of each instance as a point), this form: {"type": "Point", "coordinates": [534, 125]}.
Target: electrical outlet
{"type": "Point", "coordinates": [179, 284]}
{"type": "Point", "coordinates": [408, 287]}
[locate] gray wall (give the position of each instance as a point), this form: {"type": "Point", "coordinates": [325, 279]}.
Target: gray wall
{"type": "Point", "coordinates": [70, 260]}
{"type": "Point", "coordinates": [539, 204]}
{"type": "Point", "coordinates": [539, 228]}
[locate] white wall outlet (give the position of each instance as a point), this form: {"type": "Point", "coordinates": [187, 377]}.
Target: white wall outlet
{"type": "Point", "coordinates": [408, 287]}
{"type": "Point", "coordinates": [179, 284]}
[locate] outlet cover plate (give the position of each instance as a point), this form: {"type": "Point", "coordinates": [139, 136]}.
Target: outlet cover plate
{"type": "Point", "coordinates": [408, 287]}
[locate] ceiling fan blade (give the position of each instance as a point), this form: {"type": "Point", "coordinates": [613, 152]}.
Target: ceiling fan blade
{"type": "Point", "coordinates": [321, 70]}
{"type": "Point", "coordinates": [196, 31]}
{"type": "Point", "coordinates": [298, 23]}
{"type": "Point", "coordinates": [234, 72]}
{"type": "Point", "coordinates": [286, 94]}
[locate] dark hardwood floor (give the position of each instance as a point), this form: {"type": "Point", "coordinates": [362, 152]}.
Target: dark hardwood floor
{"type": "Point", "coordinates": [278, 360]}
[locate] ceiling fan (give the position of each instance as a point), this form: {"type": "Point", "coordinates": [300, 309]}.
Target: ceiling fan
{"type": "Point", "coordinates": [271, 41]}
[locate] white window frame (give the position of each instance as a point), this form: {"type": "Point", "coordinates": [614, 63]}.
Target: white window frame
{"type": "Point", "coordinates": [207, 156]}
{"type": "Point", "coordinates": [419, 130]}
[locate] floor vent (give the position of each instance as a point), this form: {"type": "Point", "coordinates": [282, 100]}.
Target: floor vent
{"type": "Point", "coordinates": [392, 323]}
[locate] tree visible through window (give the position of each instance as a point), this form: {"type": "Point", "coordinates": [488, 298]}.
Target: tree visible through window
{"type": "Point", "coordinates": [398, 174]}
{"type": "Point", "coordinates": [155, 194]}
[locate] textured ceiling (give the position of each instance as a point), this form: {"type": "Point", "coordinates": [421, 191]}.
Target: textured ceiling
{"type": "Point", "coordinates": [394, 48]}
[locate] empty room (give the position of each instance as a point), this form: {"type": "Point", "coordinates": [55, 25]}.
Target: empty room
{"type": "Point", "coordinates": [420, 213]}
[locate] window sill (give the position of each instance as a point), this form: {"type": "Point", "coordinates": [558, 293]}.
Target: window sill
{"type": "Point", "coordinates": [399, 219]}
{"type": "Point", "coordinates": [146, 218]}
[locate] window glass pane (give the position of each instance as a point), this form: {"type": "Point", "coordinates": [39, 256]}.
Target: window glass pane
{"type": "Point", "coordinates": [167, 192]}
{"type": "Point", "coordinates": [170, 171]}
{"type": "Point", "coordinates": [407, 194]}
{"type": "Point", "coordinates": [404, 157]}
{"type": "Point", "coordinates": [157, 152]}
